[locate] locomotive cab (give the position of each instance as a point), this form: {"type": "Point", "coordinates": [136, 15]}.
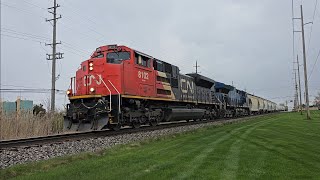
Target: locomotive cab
{"type": "Point", "coordinates": [97, 89]}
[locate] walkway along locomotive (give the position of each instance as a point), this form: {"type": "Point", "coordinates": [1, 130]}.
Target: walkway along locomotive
{"type": "Point", "coordinates": [119, 86]}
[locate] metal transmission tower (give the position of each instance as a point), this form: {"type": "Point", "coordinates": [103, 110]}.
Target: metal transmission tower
{"type": "Point", "coordinates": [54, 56]}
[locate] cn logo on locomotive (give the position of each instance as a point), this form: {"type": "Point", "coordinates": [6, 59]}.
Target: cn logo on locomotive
{"type": "Point", "coordinates": [87, 80]}
{"type": "Point", "coordinates": [186, 85]}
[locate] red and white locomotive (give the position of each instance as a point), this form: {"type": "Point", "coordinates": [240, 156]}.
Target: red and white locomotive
{"type": "Point", "coordinates": [120, 86]}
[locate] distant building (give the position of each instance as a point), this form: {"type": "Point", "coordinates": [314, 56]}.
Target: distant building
{"type": "Point", "coordinates": [16, 107]}
{"type": "Point", "coordinates": [24, 105]}
{"type": "Point", "coordinates": [8, 107]}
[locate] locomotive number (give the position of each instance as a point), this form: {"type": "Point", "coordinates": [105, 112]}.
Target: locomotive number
{"type": "Point", "coordinates": [143, 75]}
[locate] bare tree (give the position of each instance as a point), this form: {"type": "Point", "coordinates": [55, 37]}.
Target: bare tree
{"type": "Point", "coordinates": [317, 100]}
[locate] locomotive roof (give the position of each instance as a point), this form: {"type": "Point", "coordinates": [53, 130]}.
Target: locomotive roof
{"type": "Point", "coordinates": [202, 80]}
{"type": "Point", "coordinates": [220, 85]}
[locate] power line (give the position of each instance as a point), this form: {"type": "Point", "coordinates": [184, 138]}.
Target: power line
{"type": "Point", "coordinates": [310, 34]}
{"type": "Point", "coordinates": [32, 36]}
{"type": "Point", "coordinates": [79, 12]}
{"type": "Point", "coordinates": [315, 62]}
{"type": "Point", "coordinates": [34, 5]}
{"type": "Point", "coordinates": [67, 48]}
{"type": "Point", "coordinates": [17, 86]}
{"type": "Point", "coordinates": [7, 30]}
{"type": "Point", "coordinates": [84, 17]}
{"type": "Point", "coordinates": [91, 29]}
{"type": "Point", "coordinates": [64, 25]}
{"type": "Point", "coordinates": [30, 90]}
{"type": "Point", "coordinates": [25, 36]}
{"type": "Point", "coordinates": [21, 38]}
{"type": "Point", "coordinates": [71, 28]}
{"type": "Point", "coordinates": [20, 9]}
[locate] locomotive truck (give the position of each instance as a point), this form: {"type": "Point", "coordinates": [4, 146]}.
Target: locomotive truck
{"type": "Point", "coordinates": [119, 86]}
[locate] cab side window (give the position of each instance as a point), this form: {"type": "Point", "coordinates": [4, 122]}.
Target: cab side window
{"type": "Point", "coordinates": [142, 60]}
{"type": "Point", "coordinates": [158, 65]}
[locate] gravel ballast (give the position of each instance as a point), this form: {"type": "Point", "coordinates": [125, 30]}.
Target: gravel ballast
{"type": "Point", "coordinates": [21, 155]}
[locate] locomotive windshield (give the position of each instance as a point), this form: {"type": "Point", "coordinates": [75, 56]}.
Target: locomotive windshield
{"type": "Point", "coordinates": [117, 57]}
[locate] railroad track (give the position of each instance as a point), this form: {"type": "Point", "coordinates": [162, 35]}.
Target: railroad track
{"type": "Point", "coordinates": [55, 139]}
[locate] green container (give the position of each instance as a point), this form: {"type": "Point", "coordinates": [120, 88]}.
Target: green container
{"type": "Point", "coordinates": [9, 107]}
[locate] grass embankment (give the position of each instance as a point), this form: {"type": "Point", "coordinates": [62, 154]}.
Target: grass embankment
{"type": "Point", "coordinates": [281, 146]}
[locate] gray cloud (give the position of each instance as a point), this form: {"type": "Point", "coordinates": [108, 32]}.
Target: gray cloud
{"type": "Point", "coordinates": [248, 43]}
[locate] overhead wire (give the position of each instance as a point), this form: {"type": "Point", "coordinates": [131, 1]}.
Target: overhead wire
{"type": "Point", "coordinates": [310, 37]}
{"type": "Point", "coordinates": [68, 45]}
{"type": "Point", "coordinates": [21, 38]}
{"type": "Point", "coordinates": [21, 9]}
{"type": "Point", "coordinates": [65, 25]}
{"type": "Point", "coordinates": [311, 28]}
{"type": "Point", "coordinates": [33, 38]}
{"type": "Point", "coordinates": [315, 62]}
{"type": "Point", "coordinates": [30, 90]}
{"type": "Point", "coordinates": [24, 34]}
{"type": "Point", "coordinates": [34, 5]}
{"type": "Point", "coordinates": [77, 11]}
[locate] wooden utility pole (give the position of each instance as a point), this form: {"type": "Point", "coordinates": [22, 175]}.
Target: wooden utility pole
{"type": "Point", "coordinates": [299, 80]}
{"type": "Point", "coordinates": [305, 65]}
{"type": "Point", "coordinates": [54, 56]}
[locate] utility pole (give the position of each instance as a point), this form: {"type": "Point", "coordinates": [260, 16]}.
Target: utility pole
{"type": "Point", "coordinates": [305, 65]}
{"type": "Point", "coordinates": [296, 100]}
{"type": "Point", "coordinates": [299, 84]}
{"type": "Point", "coordinates": [54, 56]}
{"type": "Point", "coordinates": [196, 66]}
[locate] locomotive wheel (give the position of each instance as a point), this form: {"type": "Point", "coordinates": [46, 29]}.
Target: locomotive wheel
{"type": "Point", "coordinates": [135, 124]}
{"type": "Point", "coordinates": [114, 127]}
{"type": "Point", "coordinates": [93, 125]}
{"type": "Point", "coordinates": [153, 122]}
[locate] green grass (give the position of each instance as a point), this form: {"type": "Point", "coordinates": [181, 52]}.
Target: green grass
{"type": "Point", "coordinates": [279, 146]}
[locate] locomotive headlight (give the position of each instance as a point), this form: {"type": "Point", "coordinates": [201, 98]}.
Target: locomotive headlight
{"type": "Point", "coordinates": [69, 92]}
{"type": "Point", "coordinates": [91, 64]}
{"type": "Point", "coordinates": [92, 89]}
{"type": "Point", "coordinates": [91, 68]}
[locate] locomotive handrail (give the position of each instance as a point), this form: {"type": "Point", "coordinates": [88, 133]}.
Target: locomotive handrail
{"type": "Point", "coordinates": [109, 92]}
{"type": "Point", "coordinates": [118, 94]}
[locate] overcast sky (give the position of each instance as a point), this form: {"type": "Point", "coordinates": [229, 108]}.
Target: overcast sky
{"type": "Point", "coordinates": [247, 42]}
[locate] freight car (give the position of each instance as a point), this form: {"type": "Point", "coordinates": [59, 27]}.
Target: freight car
{"type": "Point", "coordinates": [119, 86]}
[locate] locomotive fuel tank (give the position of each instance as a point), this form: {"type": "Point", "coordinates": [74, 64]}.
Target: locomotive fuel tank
{"type": "Point", "coordinates": [177, 114]}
